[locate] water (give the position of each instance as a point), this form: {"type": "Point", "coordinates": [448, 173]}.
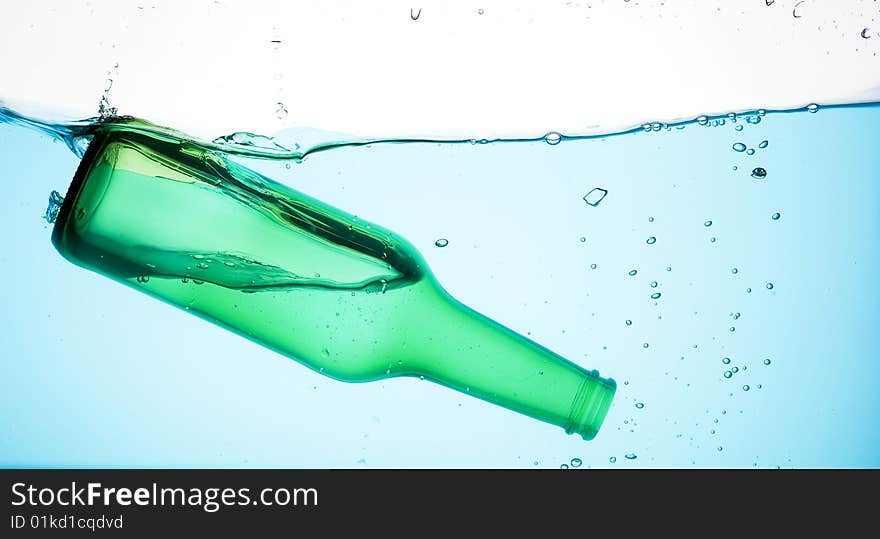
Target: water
{"type": "Point", "coordinates": [512, 213]}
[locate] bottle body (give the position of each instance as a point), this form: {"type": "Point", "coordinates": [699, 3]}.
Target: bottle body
{"type": "Point", "coordinates": [345, 297]}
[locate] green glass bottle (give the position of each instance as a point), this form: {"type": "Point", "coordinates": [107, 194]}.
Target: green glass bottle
{"type": "Point", "coordinates": [181, 222]}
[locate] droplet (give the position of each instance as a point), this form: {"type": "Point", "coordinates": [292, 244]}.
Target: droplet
{"type": "Point", "coordinates": [759, 173]}
{"type": "Point", "coordinates": [442, 242]}
{"type": "Point", "coordinates": [629, 322]}
{"type": "Point", "coordinates": [763, 144]}
{"type": "Point", "coordinates": [746, 387]}
{"type": "Point", "coordinates": [728, 374]}
{"type": "Point", "coordinates": [612, 460]}
{"type": "Point", "coordinates": [576, 462]}
{"type": "Point", "coordinates": [769, 286]}
{"type": "Point", "coordinates": [739, 147]}
{"type": "Point", "coordinates": [655, 295]}
{"type": "Point", "coordinates": [702, 120]}
{"type": "Point", "coordinates": [726, 360]}
{"type": "Point", "coordinates": [651, 241]}
{"type": "Point", "coordinates": [631, 456]}
{"type": "Point", "coordinates": [640, 405]}
{"type": "Point", "coordinates": [632, 272]}
{"type": "Point", "coordinates": [280, 111]}
{"type": "Point", "coordinates": [866, 33]}
{"type": "Point", "coordinates": [812, 107]}
{"type": "Point", "coordinates": [595, 196]}
{"type": "Point", "coordinates": [55, 201]}
{"type": "Point", "coordinates": [767, 361]}
{"type": "Point", "coordinates": [552, 138]}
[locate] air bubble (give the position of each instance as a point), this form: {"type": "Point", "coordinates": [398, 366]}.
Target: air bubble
{"type": "Point", "coordinates": [629, 322]}
{"type": "Point", "coordinates": [280, 111]}
{"type": "Point", "coordinates": [767, 361]}
{"type": "Point", "coordinates": [726, 361]}
{"type": "Point", "coordinates": [553, 138]}
{"type": "Point", "coordinates": [707, 223]}
{"type": "Point", "coordinates": [595, 196]}
{"type": "Point", "coordinates": [143, 278]}
{"type": "Point", "coordinates": [759, 173]}
{"type": "Point", "coordinates": [576, 462]}
{"type": "Point", "coordinates": [651, 241]}
{"type": "Point", "coordinates": [750, 151]}
{"type": "Point", "coordinates": [812, 107]}
{"type": "Point", "coordinates": [776, 216]}
{"type": "Point", "coordinates": [645, 345]}
{"type": "Point", "coordinates": [655, 295]}
{"type": "Point", "coordinates": [734, 271]}
{"type": "Point", "coordinates": [754, 119]}
{"type": "Point", "coordinates": [739, 128]}
{"type": "Point", "coordinates": [640, 405]}
{"type": "Point", "coordinates": [631, 456]}
{"type": "Point", "coordinates": [442, 242]}
{"type": "Point", "coordinates": [653, 284]}
{"type": "Point", "coordinates": [325, 353]}
{"type": "Point", "coordinates": [769, 286]}
{"type": "Point", "coordinates": [612, 460]}
{"type": "Point", "coordinates": [739, 147]}
{"type": "Point", "coordinates": [703, 120]}
{"type": "Point", "coordinates": [763, 144]}
{"type": "Point", "coordinates": [592, 266]}
{"type": "Point", "coordinates": [632, 272]}
{"type": "Point", "coordinates": [563, 466]}
{"type": "Point", "coordinates": [746, 387]}
{"type": "Point", "coordinates": [728, 374]}
{"type": "Point", "coordinates": [866, 33]}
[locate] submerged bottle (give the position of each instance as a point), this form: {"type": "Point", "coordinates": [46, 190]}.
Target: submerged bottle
{"type": "Point", "coordinates": [352, 300]}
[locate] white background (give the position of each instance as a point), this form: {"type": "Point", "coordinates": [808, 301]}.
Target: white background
{"type": "Point", "coordinates": [519, 68]}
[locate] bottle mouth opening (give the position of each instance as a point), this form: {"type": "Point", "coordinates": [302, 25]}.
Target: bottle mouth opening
{"type": "Point", "coordinates": [591, 405]}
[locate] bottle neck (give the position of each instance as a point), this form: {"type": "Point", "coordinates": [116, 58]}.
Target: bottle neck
{"type": "Point", "coordinates": [477, 356]}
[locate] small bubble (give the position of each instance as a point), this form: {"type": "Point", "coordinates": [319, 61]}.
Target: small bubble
{"type": "Point", "coordinates": [726, 360]}
{"type": "Point", "coordinates": [645, 345]}
{"type": "Point", "coordinates": [632, 272]}
{"type": "Point", "coordinates": [812, 107]}
{"type": "Point", "coordinates": [576, 462]}
{"type": "Point", "coordinates": [592, 266]}
{"type": "Point", "coordinates": [480, 12]}
{"type": "Point", "coordinates": [650, 219]}
{"type": "Point", "coordinates": [707, 223]}
{"type": "Point", "coordinates": [734, 271]}
{"type": "Point", "coordinates": [143, 278]}
{"type": "Point", "coordinates": [767, 361]}
{"type": "Point", "coordinates": [728, 374]}
{"type": "Point", "coordinates": [712, 239]}
{"type": "Point", "coordinates": [769, 286]}
{"type": "Point", "coordinates": [653, 284]}
{"type": "Point", "coordinates": [287, 166]}
{"type": "Point", "coordinates": [552, 138]}
{"type": "Point", "coordinates": [442, 242]}
{"type": "Point", "coordinates": [734, 370]}
{"type": "Point", "coordinates": [732, 329]}
{"type": "Point", "coordinates": [651, 241]}
{"type": "Point", "coordinates": [739, 147]}
{"type": "Point", "coordinates": [280, 111]}
{"type": "Point", "coordinates": [749, 290]}
{"type": "Point", "coordinates": [750, 151]}
{"type": "Point", "coordinates": [540, 373]}
{"type": "Point", "coordinates": [202, 265]}
{"type": "Point", "coordinates": [668, 268]}
{"type": "Point", "coordinates": [759, 386]}
{"type": "Point", "coordinates": [325, 353]}
{"type": "Point", "coordinates": [746, 387]}
{"type": "Point", "coordinates": [753, 119]}
{"type": "Point", "coordinates": [655, 295]}
{"type": "Point", "coordinates": [736, 316]}
{"type": "Point", "coordinates": [702, 120]}
{"type": "Point", "coordinates": [739, 128]}
{"type": "Point", "coordinates": [640, 405]}
{"type": "Point", "coordinates": [583, 239]}
{"type": "Point", "coordinates": [631, 456]}
{"type": "Point", "coordinates": [759, 173]}
{"type": "Point", "coordinates": [735, 167]}
{"type": "Point", "coordinates": [720, 448]}
{"type": "Point", "coordinates": [866, 33]}
{"type": "Point", "coordinates": [612, 460]}
{"type": "Point", "coordinates": [629, 322]}
{"type": "Point", "coordinates": [595, 196]}
{"type": "Point", "coordinates": [563, 466]}
{"type": "Point", "coordinates": [776, 216]}
{"type": "Point", "coordinates": [763, 144]}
